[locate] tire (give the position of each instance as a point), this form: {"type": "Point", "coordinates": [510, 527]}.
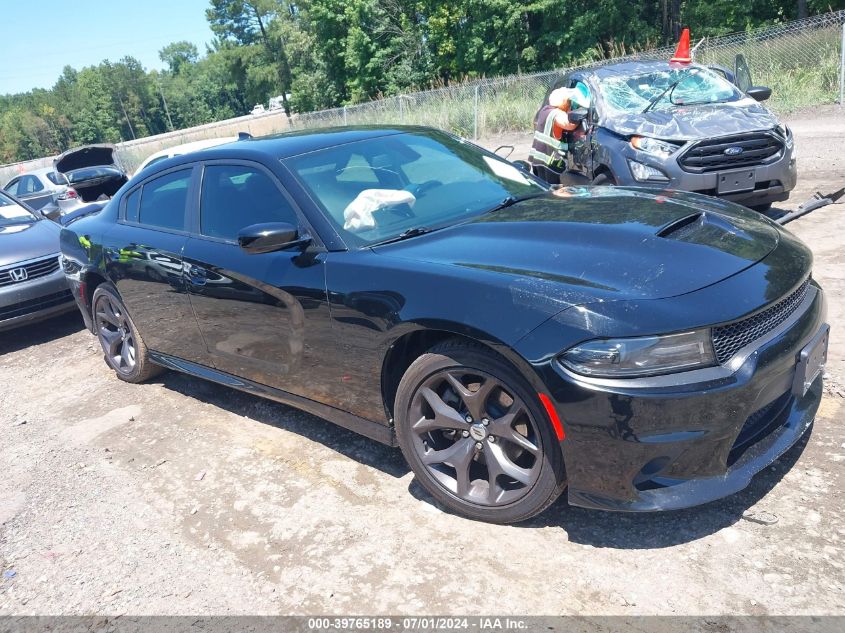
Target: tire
{"type": "Point", "coordinates": [523, 459]}
{"type": "Point", "coordinates": [760, 208]}
{"type": "Point", "coordinates": [604, 179]}
{"type": "Point", "coordinates": [123, 348]}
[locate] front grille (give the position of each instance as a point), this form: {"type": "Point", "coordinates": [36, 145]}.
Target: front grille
{"type": "Point", "coordinates": [729, 339]}
{"type": "Point", "coordinates": [709, 155]}
{"type": "Point", "coordinates": [34, 269]}
{"type": "Point", "coordinates": [758, 425]}
{"type": "Point", "coordinates": [36, 305]}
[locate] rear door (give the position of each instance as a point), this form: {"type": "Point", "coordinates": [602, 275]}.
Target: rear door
{"type": "Point", "coordinates": [144, 259]}
{"type": "Point", "coordinates": [260, 314]}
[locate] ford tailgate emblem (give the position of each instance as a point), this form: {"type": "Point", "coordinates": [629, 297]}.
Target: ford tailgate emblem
{"type": "Point", "coordinates": [734, 151]}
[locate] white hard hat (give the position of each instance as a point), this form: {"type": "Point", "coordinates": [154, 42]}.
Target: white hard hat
{"type": "Point", "coordinates": [558, 96]}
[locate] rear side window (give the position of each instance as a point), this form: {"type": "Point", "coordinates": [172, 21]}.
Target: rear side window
{"type": "Point", "coordinates": [56, 178]}
{"type": "Point", "coordinates": [236, 196]}
{"type": "Point", "coordinates": [133, 205]}
{"type": "Point", "coordinates": [163, 201]}
{"type": "Point", "coordinates": [12, 187]}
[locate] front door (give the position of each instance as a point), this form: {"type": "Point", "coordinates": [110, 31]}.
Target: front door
{"type": "Point", "coordinates": [259, 314]}
{"type": "Point", "coordinates": [580, 144]}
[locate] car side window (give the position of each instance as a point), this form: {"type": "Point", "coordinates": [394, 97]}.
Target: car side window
{"type": "Point", "coordinates": [13, 186]}
{"type": "Point", "coordinates": [133, 205]}
{"type": "Point", "coordinates": [164, 199]}
{"type": "Point", "coordinates": [30, 184]}
{"type": "Point", "coordinates": [237, 196]}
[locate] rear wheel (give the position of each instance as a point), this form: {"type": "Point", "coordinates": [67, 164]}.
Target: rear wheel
{"type": "Point", "coordinates": [473, 433]}
{"type": "Point", "coordinates": [123, 347]}
{"type": "Point", "coordinates": [604, 178]}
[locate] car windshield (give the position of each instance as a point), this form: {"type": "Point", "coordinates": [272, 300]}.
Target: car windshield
{"type": "Point", "coordinates": [13, 213]}
{"type": "Point", "coordinates": [381, 188]}
{"type": "Point", "coordinates": [693, 85]}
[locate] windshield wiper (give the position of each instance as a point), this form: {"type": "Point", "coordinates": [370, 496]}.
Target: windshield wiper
{"type": "Point", "coordinates": [414, 231]}
{"type": "Point", "coordinates": [512, 200]}
{"type": "Point", "coordinates": [669, 89]}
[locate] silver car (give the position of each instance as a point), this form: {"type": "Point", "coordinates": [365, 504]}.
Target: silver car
{"type": "Point", "coordinates": [45, 190]}
{"type": "Point", "coordinates": [32, 283]}
{"type": "Point", "coordinates": [689, 127]}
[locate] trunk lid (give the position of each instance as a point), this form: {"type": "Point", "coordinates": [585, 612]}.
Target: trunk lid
{"type": "Point", "coordinates": [87, 156]}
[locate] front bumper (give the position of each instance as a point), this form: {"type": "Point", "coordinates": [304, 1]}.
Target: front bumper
{"type": "Point", "coordinates": [773, 182]}
{"type": "Point", "coordinates": [34, 300]}
{"type": "Point", "coordinates": [677, 441]}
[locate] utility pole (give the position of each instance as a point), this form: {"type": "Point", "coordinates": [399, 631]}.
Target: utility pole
{"type": "Point", "coordinates": [128, 122]}
{"type": "Point", "coordinates": [166, 111]}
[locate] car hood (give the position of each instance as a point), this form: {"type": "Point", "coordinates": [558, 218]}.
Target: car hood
{"type": "Point", "coordinates": [695, 122]}
{"type": "Point", "coordinates": [19, 243]}
{"type": "Point", "coordinates": [588, 244]}
{"type": "Point", "coordinates": [87, 156]}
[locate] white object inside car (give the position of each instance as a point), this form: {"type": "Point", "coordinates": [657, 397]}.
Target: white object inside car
{"type": "Point", "coordinates": [358, 215]}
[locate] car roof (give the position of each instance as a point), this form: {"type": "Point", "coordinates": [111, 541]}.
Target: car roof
{"type": "Point", "coordinates": [636, 68]}
{"type": "Point", "coordinates": [297, 142]}
{"type": "Point", "coordinates": [289, 144]}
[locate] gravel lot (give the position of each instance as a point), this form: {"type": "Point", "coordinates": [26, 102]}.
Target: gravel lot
{"type": "Point", "coordinates": [182, 497]}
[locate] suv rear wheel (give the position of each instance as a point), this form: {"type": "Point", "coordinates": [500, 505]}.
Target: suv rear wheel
{"type": "Point", "coordinates": [475, 436]}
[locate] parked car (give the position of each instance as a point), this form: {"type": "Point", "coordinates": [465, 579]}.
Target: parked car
{"type": "Point", "coordinates": [185, 148]}
{"type": "Point", "coordinates": [665, 125]}
{"type": "Point", "coordinates": [32, 285]}
{"type": "Point", "coordinates": [258, 108]}
{"type": "Point", "coordinates": [44, 190]}
{"type": "Point", "coordinates": [644, 351]}
{"type": "Point", "coordinates": [92, 170]}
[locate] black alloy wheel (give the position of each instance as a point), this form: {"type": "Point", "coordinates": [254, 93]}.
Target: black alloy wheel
{"type": "Point", "coordinates": [473, 436]}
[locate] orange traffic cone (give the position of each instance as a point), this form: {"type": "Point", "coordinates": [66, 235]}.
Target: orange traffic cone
{"type": "Point", "coordinates": [682, 53]}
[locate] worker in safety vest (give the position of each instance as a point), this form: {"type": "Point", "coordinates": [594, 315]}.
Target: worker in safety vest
{"type": "Point", "coordinates": [551, 123]}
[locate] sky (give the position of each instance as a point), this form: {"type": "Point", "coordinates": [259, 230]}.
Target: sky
{"type": "Point", "coordinates": [40, 37]}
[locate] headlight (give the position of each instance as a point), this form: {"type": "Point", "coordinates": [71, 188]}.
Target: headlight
{"type": "Point", "coordinates": [785, 133]}
{"type": "Point", "coordinates": [645, 173]}
{"type": "Point", "coordinates": [641, 356]}
{"type": "Point", "coordinates": [653, 146]}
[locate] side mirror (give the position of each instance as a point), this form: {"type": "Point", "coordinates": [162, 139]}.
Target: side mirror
{"type": "Point", "coordinates": [578, 116]}
{"type": "Point", "coordinates": [269, 237]}
{"type": "Point", "coordinates": [759, 93]}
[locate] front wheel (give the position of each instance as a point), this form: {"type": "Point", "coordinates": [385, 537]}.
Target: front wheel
{"type": "Point", "coordinates": [123, 347]}
{"type": "Point", "coordinates": [604, 178]}
{"type": "Point", "coordinates": [475, 436]}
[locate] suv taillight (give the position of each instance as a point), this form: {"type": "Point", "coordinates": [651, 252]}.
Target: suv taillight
{"type": "Point", "coordinates": [70, 194]}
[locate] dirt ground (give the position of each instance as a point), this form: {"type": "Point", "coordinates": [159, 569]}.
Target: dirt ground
{"type": "Point", "coordinates": [183, 497]}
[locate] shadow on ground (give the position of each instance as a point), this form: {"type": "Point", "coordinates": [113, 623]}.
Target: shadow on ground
{"type": "Point", "coordinates": [41, 332]}
{"type": "Point", "coordinates": [653, 530]}
{"type": "Point", "coordinates": [589, 527]}
{"type": "Point", "coordinates": [352, 445]}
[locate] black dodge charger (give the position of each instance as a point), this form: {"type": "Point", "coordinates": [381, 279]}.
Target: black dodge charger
{"type": "Point", "coordinates": [641, 350]}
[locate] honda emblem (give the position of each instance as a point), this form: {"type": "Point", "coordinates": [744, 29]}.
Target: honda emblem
{"type": "Point", "coordinates": [18, 274]}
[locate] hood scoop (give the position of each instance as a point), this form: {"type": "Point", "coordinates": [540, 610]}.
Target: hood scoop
{"type": "Point", "coordinates": [705, 228]}
{"type": "Point", "coordinates": [682, 226]}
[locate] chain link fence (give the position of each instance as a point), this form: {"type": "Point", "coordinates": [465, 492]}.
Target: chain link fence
{"type": "Point", "coordinates": [800, 61]}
